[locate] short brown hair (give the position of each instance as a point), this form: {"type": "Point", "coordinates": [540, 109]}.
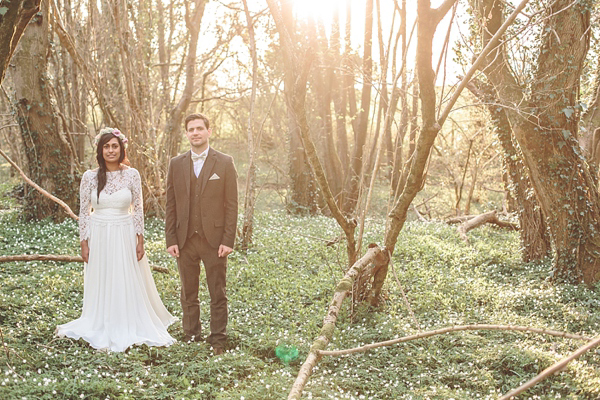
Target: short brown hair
{"type": "Point", "coordinates": [192, 117]}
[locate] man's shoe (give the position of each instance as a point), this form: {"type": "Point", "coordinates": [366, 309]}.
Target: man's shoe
{"type": "Point", "coordinates": [191, 338]}
{"type": "Point", "coordinates": [218, 351]}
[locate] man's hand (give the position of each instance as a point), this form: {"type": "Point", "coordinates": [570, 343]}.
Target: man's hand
{"type": "Point", "coordinates": [85, 251]}
{"type": "Point", "coordinates": [173, 250]}
{"type": "Point", "coordinates": [224, 251]}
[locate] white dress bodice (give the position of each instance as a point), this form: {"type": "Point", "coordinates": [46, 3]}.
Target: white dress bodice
{"type": "Point", "coordinates": [121, 196]}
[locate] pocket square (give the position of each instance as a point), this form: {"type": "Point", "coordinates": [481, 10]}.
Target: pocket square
{"type": "Point", "coordinates": [214, 177]}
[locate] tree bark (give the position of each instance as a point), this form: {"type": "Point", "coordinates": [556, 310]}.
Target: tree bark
{"type": "Point", "coordinates": [360, 132]}
{"type": "Point", "coordinates": [535, 239]}
{"type": "Point", "coordinates": [253, 145]}
{"type": "Point", "coordinates": [12, 25]}
{"type": "Point", "coordinates": [545, 126]}
{"type": "Point", "coordinates": [48, 154]}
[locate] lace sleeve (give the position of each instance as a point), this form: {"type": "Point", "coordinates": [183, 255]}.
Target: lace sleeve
{"type": "Point", "coordinates": [85, 205]}
{"type": "Point", "coordinates": [137, 202]}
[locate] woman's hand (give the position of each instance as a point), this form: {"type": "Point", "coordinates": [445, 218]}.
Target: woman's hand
{"type": "Point", "coordinates": [139, 249]}
{"type": "Point", "coordinates": [85, 251]}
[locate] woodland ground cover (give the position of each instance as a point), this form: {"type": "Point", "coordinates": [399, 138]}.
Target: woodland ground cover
{"type": "Point", "coordinates": [278, 292]}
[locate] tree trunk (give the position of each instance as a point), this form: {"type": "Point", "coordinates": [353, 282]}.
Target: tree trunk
{"type": "Point", "coordinates": [49, 158]}
{"type": "Point", "coordinates": [339, 97]}
{"type": "Point", "coordinates": [360, 133]}
{"type": "Point", "coordinates": [535, 239]}
{"type": "Point", "coordinates": [173, 128]}
{"type": "Point", "coordinates": [253, 146]}
{"type": "Point", "coordinates": [12, 25]}
{"type": "Point", "coordinates": [546, 129]}
{"type": "Point", "coordinates": [302, 198]}
{"type": "Point", "coordinates": [324, 80]}
{"type": "Point", "coordinates": [298, 62]}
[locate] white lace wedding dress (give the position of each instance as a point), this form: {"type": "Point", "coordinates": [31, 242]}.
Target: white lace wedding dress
{"type": "Point", "coordinates": [121, 306]}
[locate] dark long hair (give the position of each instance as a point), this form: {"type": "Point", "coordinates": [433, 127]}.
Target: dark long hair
{"type": "Point", "coordinates": [100, 158]}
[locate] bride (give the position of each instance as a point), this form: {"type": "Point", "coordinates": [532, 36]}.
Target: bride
{"type": "Point", "coordinates": [121, 306]}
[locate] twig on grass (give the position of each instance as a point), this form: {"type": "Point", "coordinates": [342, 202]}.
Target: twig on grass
{"type": "Point", "coordinates": [59, 258]}
{"type": "Point", "coordinates": [452, 329]}
{"type": "Point", "coordinates": [556, 367]}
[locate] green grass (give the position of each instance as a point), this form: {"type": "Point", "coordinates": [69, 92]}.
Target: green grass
{"type": "Point", "coordinates": [279, 292]}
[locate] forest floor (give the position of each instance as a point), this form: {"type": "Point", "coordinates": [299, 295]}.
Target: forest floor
{"type": "Point", "coordinates": [278, 293]}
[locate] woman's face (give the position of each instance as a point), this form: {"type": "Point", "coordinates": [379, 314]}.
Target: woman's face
{"type": "Point", "coordinates": [111, 151]}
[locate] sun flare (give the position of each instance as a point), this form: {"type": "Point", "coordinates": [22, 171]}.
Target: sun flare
{"type": "Point", "coordinates": [318, 9]}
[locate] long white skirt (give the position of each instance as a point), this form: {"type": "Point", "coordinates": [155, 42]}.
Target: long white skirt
{"type": "Point", "coordinates": [121, 306]}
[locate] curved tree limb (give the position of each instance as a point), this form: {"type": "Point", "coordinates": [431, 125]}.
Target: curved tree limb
{"type": "Point", "coordinates": [39, 189]}
{"type": "Point", "coordinates": [456, 329]}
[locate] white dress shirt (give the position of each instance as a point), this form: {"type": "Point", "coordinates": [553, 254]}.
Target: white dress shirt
{"type": "Point", "coordinates": [199, 162]}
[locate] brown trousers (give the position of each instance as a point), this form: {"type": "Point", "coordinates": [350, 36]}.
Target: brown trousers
{"type": "Point", "coordinates": [197, 249]}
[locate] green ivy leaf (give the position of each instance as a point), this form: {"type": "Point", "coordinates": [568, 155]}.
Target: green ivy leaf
{"type": "Point", "coordinates": [3, 10]}
{"type": "Point", "coordinates": [568, 111]}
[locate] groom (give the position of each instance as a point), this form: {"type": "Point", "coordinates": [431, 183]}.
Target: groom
{"type": "Point", "coordinates": [202, 207]}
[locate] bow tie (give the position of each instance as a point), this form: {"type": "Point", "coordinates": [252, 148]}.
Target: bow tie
{"type": "Point", "coordinates": [196, 157]}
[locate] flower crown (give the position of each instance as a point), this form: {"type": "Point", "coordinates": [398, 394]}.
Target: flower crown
{"type": "Point", "coordinates": [114, 131]}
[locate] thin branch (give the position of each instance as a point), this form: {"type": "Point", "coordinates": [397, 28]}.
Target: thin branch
{"type": "Point", "coordinates": [39, 189]}
{"type": "Point", "coordinates": [488, 48]}
{"type": "Point", "coordinates": [59, 258]}
{"type": "Point", "coordinates": [556, 367]}
{"type": "Point", "coordinates": [458, 328]}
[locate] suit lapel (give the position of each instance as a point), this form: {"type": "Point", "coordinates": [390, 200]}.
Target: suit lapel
{"type": "Point", "coordinates": [186, 171]}
{"type": "Point", "coordinates": [207, 168]}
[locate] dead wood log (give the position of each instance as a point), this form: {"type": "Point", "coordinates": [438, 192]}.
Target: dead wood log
{"type": "Point", "coordinates": [373, 255]}
{"type": "Point", "coordinates": [460, 219]}
{"type": "Point", "coordinates": [489, 217]}
{"type": "Point", "coordinates": [60, 258]}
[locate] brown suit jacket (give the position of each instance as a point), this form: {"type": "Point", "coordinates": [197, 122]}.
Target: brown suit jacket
{"type": "Point", "coordinates": [219, 199]}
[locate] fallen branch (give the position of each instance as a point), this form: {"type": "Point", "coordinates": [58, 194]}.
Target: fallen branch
{"type": "Point", "coordinates": [460, 219]}
{"type": "Point", "coordinates": [421, 218]}
{"type": "Point", "coordinates": [39, 189]}
{"type": "Point", "coordinates": [60, 258]}
{"type": "Point", "coordinates": [452, 329]}
{"type": "Point", "coordinates": [374, 254]}
{"type": "Point", "coordinates": [556, 367]}
{"type": "Point", "coordinates": [486, 218]}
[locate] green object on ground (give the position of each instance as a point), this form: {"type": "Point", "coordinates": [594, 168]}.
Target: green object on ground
{"type": "Point", "coordinates": [286, 353]}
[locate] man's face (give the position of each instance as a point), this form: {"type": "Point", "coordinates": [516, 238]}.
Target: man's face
{"type": "Point", "coordinates": [198, 135]}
